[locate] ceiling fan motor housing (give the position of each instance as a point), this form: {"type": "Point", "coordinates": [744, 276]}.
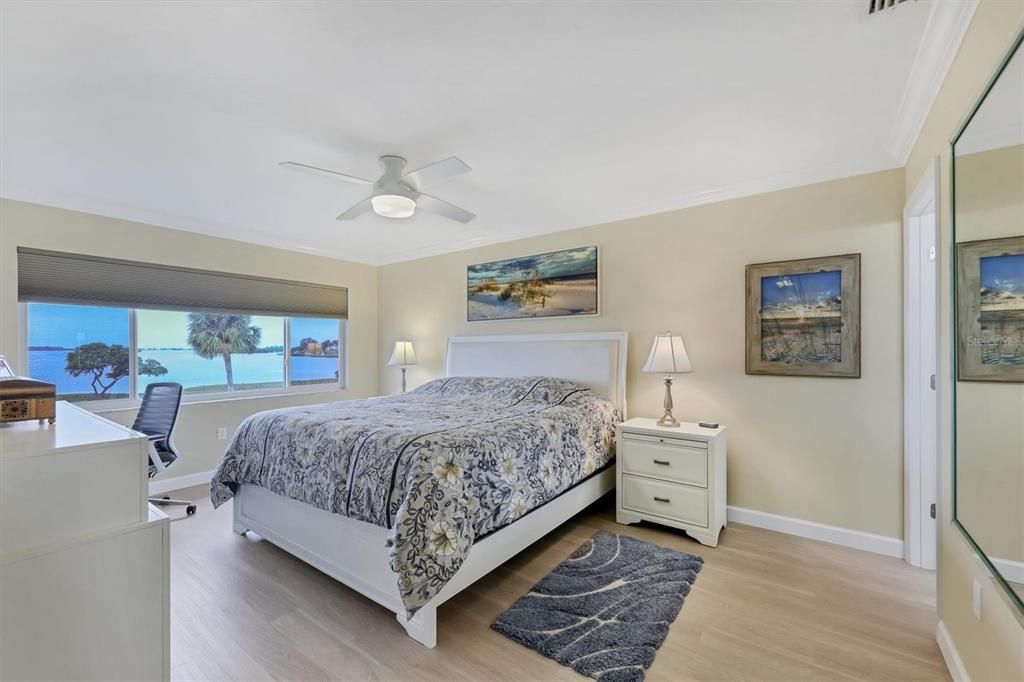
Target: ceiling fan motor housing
{"type": "Point", "coordinates": [391, 197]}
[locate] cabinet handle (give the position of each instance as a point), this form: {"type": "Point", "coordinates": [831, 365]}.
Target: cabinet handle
{"type": "Point", "coordinates": [663, 462]}
{"type": "Point", "coordinates": [661, 499]}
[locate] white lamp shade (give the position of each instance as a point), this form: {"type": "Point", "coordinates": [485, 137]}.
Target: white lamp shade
{"type": "Point", "coordinates": [668, 356]}
{"type": "Point", "coordinates": [403, 354]}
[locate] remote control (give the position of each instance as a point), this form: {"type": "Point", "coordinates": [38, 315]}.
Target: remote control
{"type": "Point", "coordinates": [708, 425]}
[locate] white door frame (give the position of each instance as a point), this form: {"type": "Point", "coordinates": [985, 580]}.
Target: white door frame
{"type": "Point", "coordinates": [920, 367]}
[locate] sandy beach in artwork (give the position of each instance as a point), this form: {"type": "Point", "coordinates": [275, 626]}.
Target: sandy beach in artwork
{"type": "Point", "coordinates": [551, 284]}
{"type": "Point", "coordinates": [566, 298]}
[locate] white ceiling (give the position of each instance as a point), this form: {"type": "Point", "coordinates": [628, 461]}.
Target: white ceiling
{"type": "Point", "coordinates": [569, 113]}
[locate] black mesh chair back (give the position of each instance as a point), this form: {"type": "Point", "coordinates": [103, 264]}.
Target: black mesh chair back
{"type": "Point", "coordinates": [156, 417]}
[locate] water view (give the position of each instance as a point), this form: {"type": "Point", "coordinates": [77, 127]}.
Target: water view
{"type": "Point", "coordinates": [85, 350]}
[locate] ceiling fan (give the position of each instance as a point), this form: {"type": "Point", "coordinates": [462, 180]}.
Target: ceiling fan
{"type": "Point", "coordinates": [398, 195]}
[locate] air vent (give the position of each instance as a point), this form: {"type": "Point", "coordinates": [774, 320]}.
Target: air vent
{"type": "Point", "coordinates": [879, 5]}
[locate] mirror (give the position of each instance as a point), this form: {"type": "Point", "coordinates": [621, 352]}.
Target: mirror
{"type": "Point", "coordinates": [988, 308]}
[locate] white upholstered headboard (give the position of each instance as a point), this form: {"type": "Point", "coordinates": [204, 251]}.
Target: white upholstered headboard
{"type": "Point", "coordinates": [594, 359]}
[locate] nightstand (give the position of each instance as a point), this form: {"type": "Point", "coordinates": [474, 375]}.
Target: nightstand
{"type": "Point", "coordinates": [673, 476]}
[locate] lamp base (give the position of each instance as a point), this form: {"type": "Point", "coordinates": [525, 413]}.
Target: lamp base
{"type": "Point", "coordinates": [667, 419]}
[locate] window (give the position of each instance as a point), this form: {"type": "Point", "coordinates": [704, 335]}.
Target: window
{"type": "Point", "coordinates": [85, 351]}
{"type": "Point", "coordinates": [315, 351]}
{"type": "Point", "coordinates": [211, 352]}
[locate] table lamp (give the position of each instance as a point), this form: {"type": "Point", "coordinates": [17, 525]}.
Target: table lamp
{"type": "Point", "coordinates": [403, 355]}
{"type": "Point", "coordinates": [668, 357]}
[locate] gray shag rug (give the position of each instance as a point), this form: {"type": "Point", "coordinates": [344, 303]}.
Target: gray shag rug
{"type": "Point", "coordinates": [605, 610]}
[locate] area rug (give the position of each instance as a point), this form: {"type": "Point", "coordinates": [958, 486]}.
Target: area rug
{"type": "Point", "coordinates": [605, 610]}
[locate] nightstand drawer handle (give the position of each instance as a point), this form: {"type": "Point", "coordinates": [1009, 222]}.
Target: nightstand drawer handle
{"type": "Point", "coordinates": [661, 499]}
{"type": "Point", "coordinates": [663, 462]}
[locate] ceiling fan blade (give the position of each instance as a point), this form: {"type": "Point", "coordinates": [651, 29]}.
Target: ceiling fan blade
{"type": "Point", "coordinates": [436, 173]}
{"type": "Point", "coordinates": [443, 208]}
{"type": "Point", "coordinates": [293, 165]}
{"type": "Point", "coordinates": [356, 211]}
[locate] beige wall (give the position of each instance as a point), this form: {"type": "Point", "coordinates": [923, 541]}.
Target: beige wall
{"type": "Point", "coordinates": [825, 450]}
{"type": "Point", "coordinates": [37, 226]}
{"type": "Point", "coordinates": [994, 647]}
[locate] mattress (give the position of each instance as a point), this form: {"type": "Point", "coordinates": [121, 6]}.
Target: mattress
{"type": "Point", "coordinates": [439, 467]}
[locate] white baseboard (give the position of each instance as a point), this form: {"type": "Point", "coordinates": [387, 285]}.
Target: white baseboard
{"type": "Point", "coordinates": [1012, 571]}
{"type": "Point", "coordinates": [868, 542]}
{"type": "Point", "coordinates": [950, 654]}
{"type": "Point", "coordinates": [159, 486]}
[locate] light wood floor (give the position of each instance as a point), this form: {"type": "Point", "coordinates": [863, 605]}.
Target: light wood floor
{"type": "Point", "coordinates": [766, 606]}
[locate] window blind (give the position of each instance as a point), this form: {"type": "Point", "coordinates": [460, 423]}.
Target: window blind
{"type": "Point", "coordinates": [54, 277]}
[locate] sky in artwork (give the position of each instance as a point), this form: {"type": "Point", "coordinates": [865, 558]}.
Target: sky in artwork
{"type": "Point", "coordinates": [1003, 273]}
{"type": "Point", "coordinates": [810, 288]}
{"type": "Point", "coordinates": [551, 265]}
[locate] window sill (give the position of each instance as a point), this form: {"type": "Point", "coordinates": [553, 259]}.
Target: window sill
{"type": "Point", "coordinates": [125, 405]}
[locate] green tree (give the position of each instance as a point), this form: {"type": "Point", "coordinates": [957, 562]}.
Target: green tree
{"type": "Point", "coordinates": [108, 362]}
{"type": "Point", "coordinates": [213, 334]}
{"type": "Point", "coordinates": [303, 347]}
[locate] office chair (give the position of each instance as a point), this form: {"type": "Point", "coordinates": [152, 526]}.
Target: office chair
{"type": "Point", "coordinates": [156, 418]}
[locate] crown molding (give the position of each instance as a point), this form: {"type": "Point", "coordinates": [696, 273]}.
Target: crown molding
{"type": "Point", "coordinates": [947, 24]}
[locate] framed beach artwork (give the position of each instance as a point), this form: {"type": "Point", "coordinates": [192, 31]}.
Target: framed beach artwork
{"type": "Point", "coordinates": [803, 317]}
{"type": "Point", "coordinates": [555, 284]}
{"type": "Point", "coordinates": [990, 310]}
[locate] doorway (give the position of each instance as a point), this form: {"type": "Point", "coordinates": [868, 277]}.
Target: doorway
{"type": "Point", "coordinates": [920, 365]}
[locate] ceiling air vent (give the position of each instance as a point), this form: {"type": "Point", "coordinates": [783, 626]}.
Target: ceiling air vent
{"type": "Point", "coordinates": [879, 5]}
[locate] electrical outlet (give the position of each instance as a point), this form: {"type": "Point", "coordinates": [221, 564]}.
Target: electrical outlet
{"type": "Point", "coordinates": [222, 433]}
{"type": "Point", "coordinates": [976, 599]}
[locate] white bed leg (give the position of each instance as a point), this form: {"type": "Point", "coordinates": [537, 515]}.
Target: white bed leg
{"type": "Point", "coordinates": [236, 517]}
{"type": "Point", "coordinates": [422, 627]}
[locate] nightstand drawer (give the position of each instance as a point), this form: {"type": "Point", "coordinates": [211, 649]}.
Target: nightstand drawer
{"type": "Point", "coordinates": [670, 500]}
{"type": "Point", "coordinates": [670, 459]}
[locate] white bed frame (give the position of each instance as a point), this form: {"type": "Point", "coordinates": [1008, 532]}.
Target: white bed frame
{"type": "Point", "coordinates": [353, 552]}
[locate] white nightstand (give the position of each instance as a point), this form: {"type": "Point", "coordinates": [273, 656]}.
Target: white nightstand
{"type": "Point", "coordinates": [673, 476]}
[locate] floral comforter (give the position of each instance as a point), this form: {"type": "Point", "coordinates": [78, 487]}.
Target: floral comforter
{"type": "Point", "coordinates": [439, 466]}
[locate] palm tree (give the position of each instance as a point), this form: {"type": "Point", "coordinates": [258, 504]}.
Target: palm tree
{"type": "Point", "coordinates": [212, 334]}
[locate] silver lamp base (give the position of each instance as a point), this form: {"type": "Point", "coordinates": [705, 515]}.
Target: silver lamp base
{"type": "Point", "coordinates": [667, 419]}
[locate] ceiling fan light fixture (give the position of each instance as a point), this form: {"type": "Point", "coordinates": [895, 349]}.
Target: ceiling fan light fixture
{"type": "Point", "coordinates": [393, 206]}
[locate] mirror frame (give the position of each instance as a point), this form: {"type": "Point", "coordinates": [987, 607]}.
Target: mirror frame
{"type": "Point", "coordinates": [1014, 597]}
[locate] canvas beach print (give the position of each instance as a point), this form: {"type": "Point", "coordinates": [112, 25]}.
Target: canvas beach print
{"type": "Point", "coordinates": [553, 284]}
{"type": "Point", "coordinates": [990, 310]}
{"type": "Point", "coordinates": [803, 317]}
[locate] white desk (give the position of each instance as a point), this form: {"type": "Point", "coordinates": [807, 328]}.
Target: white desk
{"type": "Point", "coordinates": [84, 559]}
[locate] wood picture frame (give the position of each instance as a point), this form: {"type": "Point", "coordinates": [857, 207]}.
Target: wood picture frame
{"type": "Point", "coordinates": [803, 317]}
{"type": "Point", "coordinates": [990, 310]}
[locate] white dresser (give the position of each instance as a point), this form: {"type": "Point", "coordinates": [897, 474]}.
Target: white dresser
{"type": "Point", "coordinates": [673, 476]}
{"type": "Point", "coordinates": [84, 559]}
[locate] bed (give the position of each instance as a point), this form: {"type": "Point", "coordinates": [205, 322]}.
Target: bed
{"type": "Point", "coordinates": [410, 499]}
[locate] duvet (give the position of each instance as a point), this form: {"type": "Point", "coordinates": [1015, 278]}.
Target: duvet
{"type": "Point", "coordinates": [439, 466]}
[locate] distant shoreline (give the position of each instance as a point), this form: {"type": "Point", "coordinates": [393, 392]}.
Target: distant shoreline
{"type": "Point", "coordinates": [270, 349]}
